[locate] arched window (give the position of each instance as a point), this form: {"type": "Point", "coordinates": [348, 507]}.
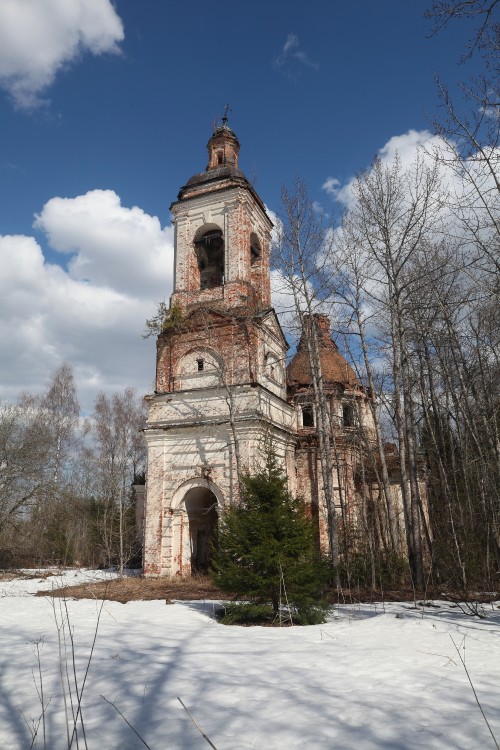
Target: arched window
{"type": "Point", "coordinates": [255, 250]}
{"type": "Point", "coordinates": [210, 253]}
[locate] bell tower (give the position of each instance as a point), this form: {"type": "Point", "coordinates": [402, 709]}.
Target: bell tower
{"type": "Point", "coordinates": [220, 388]}
{"type": "Point", "coordinates": [222, 233]}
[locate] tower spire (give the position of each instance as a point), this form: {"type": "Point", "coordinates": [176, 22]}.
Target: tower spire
{"type": "Point", "coordinates": [227, 108]}
{"type": "Point", "coordinates": [223, 146]}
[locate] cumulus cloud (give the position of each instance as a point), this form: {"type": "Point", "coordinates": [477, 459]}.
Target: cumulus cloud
{"type": "Point", "coordinates": [277, 226]}
{"type": "Point", "coordinates": [110, 245]}
{"type": "Point", "coordinates": [91, 315]}
{"type": "Point", "coordinates": [331, 186]}
{"type": "Point", "coordinates": [293, 54]}
{"type": "Point", "coordinates": [459, 182]}
{"type": "Point", "coordinates": [405, 146]}
{"type": "Point", "coordinates": [464, 202]}
{"type": "Point", "coordinates": [39, 37]}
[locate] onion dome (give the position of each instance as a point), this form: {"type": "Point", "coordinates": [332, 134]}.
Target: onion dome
{"type": "Point", "coordinates": [334, 367]}
{"type": "Point", "coordinates": [223, 151]}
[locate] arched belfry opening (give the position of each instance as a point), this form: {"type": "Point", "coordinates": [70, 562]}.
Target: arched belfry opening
{"type": "Point", "coordinates": [201, 508]}
{"type": "Point", "coordinates": [255, 250]}
{"type": "Point", "coordinates": [210, 255]}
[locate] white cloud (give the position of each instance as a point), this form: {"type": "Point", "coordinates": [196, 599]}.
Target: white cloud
{"type": "Point", "coordinates": [331, 186]}
{"type": "Point", "coordinates": [291, 44]}
{"type": "Point", "coordinates": [405, 146]}
{"type": "Point", "coordinates": [456, 209]}
{"type": "Point", "coordinates": [459, 181]}
{"type": "Point", "coordinates": [277, 226]}
{"type": "Point", "coordinates": [111, 246]}
{"type": "Point", "coordinates": [291, 52]}
{"type": "Point", "coordinates": [319, 209]}
{"type": "Point", "coordinates": [91, 315]}
{"type": "Point", "coordinates": [39, 37]}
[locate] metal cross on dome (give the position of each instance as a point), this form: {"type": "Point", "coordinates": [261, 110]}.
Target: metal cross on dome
{"type": "Point", "coordinates": [227, 108]}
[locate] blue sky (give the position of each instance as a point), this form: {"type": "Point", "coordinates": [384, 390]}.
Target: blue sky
{"type": "Point", "coordinates": [106, 110]}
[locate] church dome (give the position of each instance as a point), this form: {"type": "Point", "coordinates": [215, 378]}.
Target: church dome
{"type": "Point", "coordinates": [334, 368]}
{"type": "Point", "coordinates": [223, 150]}
{"type": "Point", "coordinates": [223, 147]}
{"type": "Point", "coordinates": [216, 173]}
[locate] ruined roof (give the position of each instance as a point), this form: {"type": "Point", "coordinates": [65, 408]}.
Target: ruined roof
{"type": "Point", "coordinates": [218, 178]}
{"type": "Point", "coordinates": [228, 170]}
{"type": "Point", "coordinates": [334, 368]}
{"type": "Point", "coordinates": [222, 171]}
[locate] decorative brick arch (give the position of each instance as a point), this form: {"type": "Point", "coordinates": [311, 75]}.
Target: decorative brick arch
{"type": "Point", "coordinates": [199, 367]}
{"type": "Point", "coordinates": [194, 521]}
{"type": "Point", "coordinates": [208, 227]}
{"type": "Point", "coordinates": [182, 490]}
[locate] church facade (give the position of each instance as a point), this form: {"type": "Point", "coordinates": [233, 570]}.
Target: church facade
{"type": "Point", "coordinates": [223, 390]}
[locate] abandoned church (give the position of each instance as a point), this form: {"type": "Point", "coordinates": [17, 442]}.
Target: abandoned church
{"type": "Point", "coordinates": [222, 385]}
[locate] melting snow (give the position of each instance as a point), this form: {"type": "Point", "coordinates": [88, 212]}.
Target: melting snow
{"type": "Point", "coordinates": [375, 676]}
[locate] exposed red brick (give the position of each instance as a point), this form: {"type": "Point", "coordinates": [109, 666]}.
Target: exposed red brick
{"type": "Point", "coordinates": [334, 367]}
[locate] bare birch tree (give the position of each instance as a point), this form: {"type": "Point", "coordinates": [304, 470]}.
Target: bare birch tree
{"type": "Point", "coordinates": [394, 212]}
{"type": "Point", "coordinates": [461, 341]}
{"type": "Point", "coordinates": [351, 269]}
{"type": "Point", "coordinates": [23, 459]}
{"type": "Point", "coordinates": [119, 456]}
{"type": "Point", "coordinates": [301, 247]}
{"type": "Point", "coordinates": [40, 435]}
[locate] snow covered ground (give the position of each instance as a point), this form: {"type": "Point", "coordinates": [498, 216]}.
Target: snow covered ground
{"type": "Point", "coordinates": [372, 677]}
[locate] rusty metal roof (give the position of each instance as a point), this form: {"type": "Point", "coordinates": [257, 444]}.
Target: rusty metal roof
{"type": "Point", "coordinates": [334, 368]}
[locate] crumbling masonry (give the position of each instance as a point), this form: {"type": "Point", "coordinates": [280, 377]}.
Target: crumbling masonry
{"type": "Point", "coordinates": [222, 388]}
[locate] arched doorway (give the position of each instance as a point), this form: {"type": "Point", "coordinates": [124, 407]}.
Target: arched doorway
{"type": "Point", "coordinates": [201, 507]}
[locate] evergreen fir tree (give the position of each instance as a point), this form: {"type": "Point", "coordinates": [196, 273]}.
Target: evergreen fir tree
{"type": "Point", "coordinates": [267, 552]}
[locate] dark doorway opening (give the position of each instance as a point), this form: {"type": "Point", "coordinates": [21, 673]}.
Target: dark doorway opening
{"type": "Point", "coordinates": [201, 507]}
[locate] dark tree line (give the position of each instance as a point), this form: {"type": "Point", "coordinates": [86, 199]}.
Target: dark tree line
{"type": "Point", "coordinates": [65, 481]}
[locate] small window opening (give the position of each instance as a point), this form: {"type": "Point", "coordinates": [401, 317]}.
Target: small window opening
{"type": "Point", "coordinates": [348, 415]}
{"type": "Point", "coordinates": [220, 157]}
{"type": "Point", "coordinates": [254, 250]}
{"type": "Point", "coordinates": [201, 365]}
{"type": "Point", "coordinates": [307, 416]}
